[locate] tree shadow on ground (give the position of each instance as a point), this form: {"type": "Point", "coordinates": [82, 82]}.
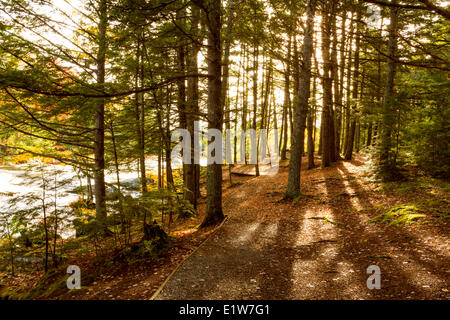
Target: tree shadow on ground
{"type": "Point", "coordinates": [368, 244]}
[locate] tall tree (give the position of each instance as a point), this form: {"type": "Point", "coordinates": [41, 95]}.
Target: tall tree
{"type": "Point", "coordinates": [99, 152]}
{"type": "Point", "coordinates": [388, 117]}
{"type": "Point", "coordinates": [287, 103]}
{"type": "Point", "coordinates": [352, 130]}
{"type": "Point", "coordinates": [327, 84]}
{"type": "Point", "coordinates": [214, 213]}
{"type": "Point", "coordinates": [301, 109]}
{"type": "Point", "coordinates": [192, 170]}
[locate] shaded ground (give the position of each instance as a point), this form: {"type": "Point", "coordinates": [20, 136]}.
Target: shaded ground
{"type": "Point", "coordinates": [318, 247]}
{"type": "Point", "coordinates": [141, 279]}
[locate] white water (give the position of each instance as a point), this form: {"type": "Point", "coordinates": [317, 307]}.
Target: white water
{"type": "Point", "coordinates": [14, 183]}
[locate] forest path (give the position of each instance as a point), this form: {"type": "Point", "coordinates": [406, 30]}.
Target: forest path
{"type": "Point", "coordinates": [317, 248]}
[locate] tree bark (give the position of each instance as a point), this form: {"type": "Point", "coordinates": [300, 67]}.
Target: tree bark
{"type": "Point", "coordinates": [99, 152]}
{"type": "Point", "coordinates": [214, 213]}
{"type": "Point", "coordinates": [255, 98]}
{"type": "Point", "coordinates": [387, 118]}
{"type": "Point", "coordinates": [335, 78]}
{"type": "Point", "coordinates": [311, 124]}
{"type": "Point", "coordinates": [244, 101]}
{"type": "Point", "coordinates": [348, 87]}
{"type": "Point", "coordinates": [192, 178]}
{"type": "Point", "coordinates": [301, 109]}
{"type": "Point", "coordinates": [340, 88]}
{"type": "Point", "coordinates": [286, 104]}
{"type": "Point", "coordinates": [327, 84]}
{"type": "Point", "coordinates": [139, 114]}
{"type": "Point", "coordinates": [369, 135]}
{"type": "Point", "coordinates": [351, 134]}
{"type": "Point", "coordinates": [225, 78]}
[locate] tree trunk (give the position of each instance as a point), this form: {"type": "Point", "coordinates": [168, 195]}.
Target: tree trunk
{"type": "Point", "coordinates": [369, 135]}
{"type": "Point", "coordinates": [225, 77]}
{"type": "Point", "coordinates": [168, 149]}
{"type": "Point", "coordinates": [387, 119]}
{"type": "Point", "coordinates": [214, 213]}
{"type": "Point", "coordinates": [348, 85]}
{"type": "Point", "coordinates": [139, 114]}
{"type": "Point", "coordinates": [244, 104]}
{"type": "Point", "coordinates": [192, 109]}
{"type": "Point", "coordinates": [255, 99]}
{"type": "Point", "coordinates": [265, 113]}
{"type": "Point", "coordinates": [335, 78]}
{"type": "Point", "coordinates": [327, 84]}
{"type": "Point", "coordinates": [44, 211]}
{"type": "Point", "coordinates": [99, 152]}
{"type": "Point", "coordinates": [301, 109]}
{"type": "Point", "coordinates": [351, 134]}
{"type": "Point", "coordinates": [340, 88]}
{"type": "Point", "coordinates": [286, 104]}
{"type": "Point", "coordinates": [311, 124]}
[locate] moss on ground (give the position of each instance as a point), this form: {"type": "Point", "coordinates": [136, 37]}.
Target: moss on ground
{"type": "Point", "coordinates": [405, 213]}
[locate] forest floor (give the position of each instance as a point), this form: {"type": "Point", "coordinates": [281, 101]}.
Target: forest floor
{"type": "Point", "coordinates": [140, 279]}
{"type": "Point", "coordinates": [318, 246]}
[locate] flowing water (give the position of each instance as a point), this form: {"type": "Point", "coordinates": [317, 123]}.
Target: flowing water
{"type": "Point", "coordinates": [18, 181]}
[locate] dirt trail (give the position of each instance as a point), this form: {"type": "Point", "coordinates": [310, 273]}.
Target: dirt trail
{"type": "Point", "coordinates": [317, 248]}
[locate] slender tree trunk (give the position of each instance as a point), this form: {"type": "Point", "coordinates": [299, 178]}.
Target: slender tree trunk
{"type": "Point", "coordinates": [89, 188]}
{"type": "Point", "coordinates": [316, 68]}
{"type": "Point", "coordinates": [369, 135]}
{"type": "Point", "coordinates": [286, 104]}
{"type": "Point", "coordinates": [348, 86]}
{"type": "Point", "coordinates": [169, 172]}
{"type": "Point", "coordinates": [191, 191]}
{"type": "Point", "coordinates": [55, 223]}
{"type": "Point", "coordinates": [245, 103]}
{"type": "Point", "coordinates": [311, 124]}
{"type": "Point", "coordinates": [236, 109]}
{"type": "Point", "coordinates": [322, 125]}
{"type": "Point", "coordinates": [255, 98]}
{"type": "Point", "coordinates": [139, 113]}
{"type": "Point", "coordinates": [335, 78]}
{"type": "Point", "coordinates": [351, 135]}
{"type": "Point", "coordinates": [339, 103]}
{"type": "Point", "coordinates": [99, 152]}
{"type": "Point", "coordinates": [327, 84]}
{"type": "Point", "coordinates": [265, 113]}
{"type": "Point", "coordinates": [296, 81]}
{"type": "Point", "coordinates": [388, 118]}
{"type": "Point", "coordinates": [225, 77]}
{"type": "Point", "coordinates": [214, 213]}
{"type": "Point", "coordinates": [301, 109]}
{"type": "Point", "coordinates": [357, 135]}
{"type": "Point", "coordinates": [181, 84]}
{"type": "Point", "coordinates": [44, 211]}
